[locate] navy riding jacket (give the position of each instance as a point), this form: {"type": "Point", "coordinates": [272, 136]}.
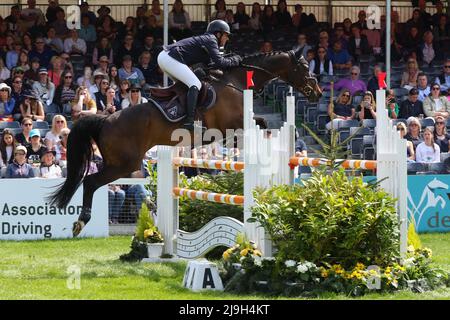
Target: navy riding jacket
{"type": "Point", "coordinates": [200, 49]}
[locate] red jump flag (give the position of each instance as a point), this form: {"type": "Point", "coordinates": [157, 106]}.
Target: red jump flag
{"type": "Point", "coordinates": [382, 80]}
{"type": "Point", "coordinates": [250, 79]}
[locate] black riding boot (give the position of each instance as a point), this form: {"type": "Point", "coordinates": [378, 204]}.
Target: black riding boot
{"type": "Point", "coordinates": [192, 97]}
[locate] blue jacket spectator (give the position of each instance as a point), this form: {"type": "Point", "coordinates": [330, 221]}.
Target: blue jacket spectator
{"type": "Point", "coordinates": [19, 168]}
{"type": "Point", "coordinates": [130, 73]}
{"type": "Point", "coordinates": [7, 103]}
{"type": "Point", "coordinates": [42, 52]}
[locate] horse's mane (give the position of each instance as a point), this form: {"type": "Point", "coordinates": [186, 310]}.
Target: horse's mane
{"type": "Point", "coordinates": [254, 57]}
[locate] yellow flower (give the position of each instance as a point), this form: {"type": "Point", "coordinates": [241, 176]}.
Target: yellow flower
{"type": "Point", "coordinates": [244, 252]}
{"type": "Point", "coordinates": [257, 253]}
{"type": "Point", "coordinates": [226, 255]}
{"type": "Point", "coordinates": [324, 274]}
{"type": "Point", "coordinates": [360, 266]}
{"type": "Point", "coordinates": [148, 233]}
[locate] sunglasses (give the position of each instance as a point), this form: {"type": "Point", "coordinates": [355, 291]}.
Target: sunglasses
{"type": "Point", "coordinates": [436, 88]}
{"type": "Point", "coordinates": [134, 90]}
{"type": "Point", "coordinates": [18, 82]}
{"type": "Point", "coordinates": [68, 77]}
{"type": "Point", "coordinates": [59, 121]}
{"type": "Point", "coordinates": [103, 61]}
{"type": "Point", "coordinates": [439, 123]}
{"type": "Point", "coordinates": [400, 129]}
{"type": "Point", "coordinates": [447, 67]}
{"type": "Point", "coordinates": [19, 72]}
{"type": "Point", "coordinates": [321, 51]}
{"type": "Point", "coordinates": [107, 83]}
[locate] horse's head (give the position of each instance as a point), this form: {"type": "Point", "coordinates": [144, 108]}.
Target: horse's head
{"type": "Point", "coordinates": [299, 77]}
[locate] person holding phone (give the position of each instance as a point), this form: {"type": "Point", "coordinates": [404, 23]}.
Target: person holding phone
{"type": "Point", "coordinates": [367, 107]}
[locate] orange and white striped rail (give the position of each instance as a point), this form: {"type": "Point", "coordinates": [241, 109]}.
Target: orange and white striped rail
{"type": "Point", "coordinates": [209, 164]}
{"type": "Point", "coordinates": [347, 164]}
{"type": "Point", "coordinates": [209, 196]}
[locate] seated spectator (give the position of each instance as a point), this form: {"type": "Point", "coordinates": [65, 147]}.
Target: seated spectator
{"type": "Point", "coordinates": [339, 35]}
{"type": "Point", "coordinates": [436, 104]}
{"type": "Point", "coordinates": [358, 44]}
{"type": "Point", "coordinates": [241, 18]}
{"type": "Point", "coordinates": [310, 55]}
{"type": "Point", "coordinates": [342, 109]}
{"type": "Point", "coordinates": [98, 78]}
{"type": "Point", "coordinates": [301, 46]}
{"type": "Point", "coordinates": [42, 52]}
{"type": "Point", "coordinates": [32, 74]}
{"type": "Point", "coordinates": [268, 19]}
{"type": "Point", "coordinates": [12, 56]}
{"type": "Point", "coordinates": [60, 24]}
{"type": "Point", "coordinates": [102, 49]}
{"type": "Point", "coordinates": [122, 92]}
{"type": "Point", "coordinates": [7, 103]}
{"type": "Point", "coordinates": [53, 136]}
{"type": "Point", "coordinates": [429, 51]}
{"type": "Point", "coordinates": [134, 97]}
{"type": "Point", "coordinates": [87, 31]}
{"type": "Point", "coordinates": [23, 137]}
{"type": "Point", "coordinates": [266, 47]}
{"type": "Point", "coordinates": [347, 23]}
{"type": "Point", "coordinates": [409, 78]}
{"type": "Point", "coordinates": [321, 65]}
{"type": "Point", "coordinates": [444, 79]}
{"type": "Point", "coordinates": [150, 46]}
{"type": "Point", "coordinates": [300, 20]}
{"type": "Point", "coordinates": [372, 84]}
{"type": "Point", "coordinates": [61, 148]}
{"type": "Point", "coordinates": [5, 73]}
{"type": "Point", "coordinates": [73, 45]}
{"type": "Point", "coordinates": [100, 96]}
{"type": "Point", "coordinates": [301, 150]}
{"type": "Point", "coordinates": [282, 15]}
{"type": "Point", "coordinates": [220, 12]}
{"type": "Point", "coordinates": [229, 18]}
{"type": "Point", "coordinates": [413, 134]}
{"type": "Point", "coordinates": [56, 71]}
{"type": "Point", "coordinates": [428, 151]}
{"type": "Point", "coordinates": [422, 86]}
{"type": "Point", "coordinates": [48, 168]}
{"type": "Point", "coordinates": [35, 148]}
{"type": "Point", "coordinates": [391, 105]}
{"type": "Point", "coordinates": [65, 93]}
{"type": "Point", "coordinates": [107, 28]}
{"type": "Point", "coordinates": [362, 22]}
{"type": "Point", "coordinates": [256, 16]}
{"type": "Point", "coordinates": [367, 107]}
{"type": "Point", "coordinates": [102, 65]}
{"type": "Point", "coordinates": [52, 10]}
{"type": "Point", "coordinates": [340, 58]}
{"type": "Point", "coordinates": [116, 198]}
{"type": "Point", "coordinates": [45, 90]}
{"type": "Point", "coordinates": [128, 48]}
{"type": "Point", "coordinates": [441, 137]}
{"type": "Point", "coordinates": [158, 13]}
{"type": "Point", "coordinates": [354, 84]}
{"type": "Point", "coordinates": [128, 28]}
{"type": "Point", "coordinates": [114, 77]}
{"type": "Point", "coordinates": [110, 104]}
{"type": "Point", "coordinates": [8, 145]}
{"type": "Point", "coordinates": [152, 27]}
{"type": "Point", "coordinates": [130, 73]}
{"type": "Point", "coordinates": [19, 168]}
{"type": "Point", "coordinates": [411, 156]}
{"type": "Point", "coordinates": [179, 21]}
{"type": "Point", "coordinates": [52, 41]}
{"type": "Point", "coordinates": [411, 107]}
{"type": "Point", "coordinates": [439, 12]}
{"type": "Point", "coordinates": [147, 67]}
{"type": "Point", "coordinates": [416, 21]}
{"type": "Point", "coordinates": [23, 60]}
{"type": "Point", "coordinates": [17, 94]}
{"type": "Point", "coordinates": [83, 104]}
{"type": "Point", "coordinates": [84, 7]}
{"type": "Point", "coordinates": [425, 17]}
{"type": "Point", "coordinates": [412, 41]}
{"type": "Point", "coordinates": [86, 79]}
{"type": "Point", "coordinates": [324, 40]}
{"type": "Point", "coordinates": [441, 32]}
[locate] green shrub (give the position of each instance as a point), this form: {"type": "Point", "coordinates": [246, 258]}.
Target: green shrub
{"type": "Point", "coordinates": [330, 219]}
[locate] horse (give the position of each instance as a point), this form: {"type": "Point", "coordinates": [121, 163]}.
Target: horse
{"type": "Point", "coordinates": [145, 126]}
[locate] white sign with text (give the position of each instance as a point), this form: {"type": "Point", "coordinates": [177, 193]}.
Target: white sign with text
{"type": "Point", "coordinates": [26, 215]}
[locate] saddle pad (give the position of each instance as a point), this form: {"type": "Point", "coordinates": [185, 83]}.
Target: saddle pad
{"type": "Point", "coordinates": [174, 110]}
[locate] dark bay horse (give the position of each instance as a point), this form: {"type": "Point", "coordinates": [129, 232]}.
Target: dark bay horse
{"type": "Point", "coordinates": [124, 137]}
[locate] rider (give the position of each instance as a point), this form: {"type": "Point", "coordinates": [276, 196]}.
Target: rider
{"type": "Point", "coordinates": [176, 58]}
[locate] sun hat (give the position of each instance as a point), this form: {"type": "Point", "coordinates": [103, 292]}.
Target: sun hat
{"type": "Point", "coordinates": [21, 148]}
{"type": "Point", "coordinates": [5, 86]}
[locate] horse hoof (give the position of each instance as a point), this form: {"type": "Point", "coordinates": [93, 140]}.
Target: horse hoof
{"type": "Point", "coordinates": [77, 227]}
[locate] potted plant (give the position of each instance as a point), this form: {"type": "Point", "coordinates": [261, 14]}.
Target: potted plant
{"type": "Point", "coordinates": [149, 234]}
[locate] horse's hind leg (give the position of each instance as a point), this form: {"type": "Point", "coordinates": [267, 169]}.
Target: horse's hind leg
{"type": "Point", "coordinates": [90, 184]}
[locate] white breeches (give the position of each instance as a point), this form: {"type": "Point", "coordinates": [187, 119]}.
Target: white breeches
{"type": "Point", "coordinates": [177, 70]}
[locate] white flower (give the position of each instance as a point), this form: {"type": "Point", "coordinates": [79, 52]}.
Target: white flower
{"type": "Point", "coordinates": [258, 261]}
{"type": "Point", "coordinates": [302, 268]}
{"type": "Point", "coordinates": [309, 265]}
{"type": "Point", "coordinates": [290, 263]}
{"type": "Point", "coordinates": [409, 262]}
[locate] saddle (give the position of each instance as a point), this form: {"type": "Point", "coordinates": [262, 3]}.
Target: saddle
{"type": "Point", "coordinates": [171, 101]}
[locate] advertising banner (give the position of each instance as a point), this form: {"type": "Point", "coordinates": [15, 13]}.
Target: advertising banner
{"type": "Point", "coordinates": [26, 215]}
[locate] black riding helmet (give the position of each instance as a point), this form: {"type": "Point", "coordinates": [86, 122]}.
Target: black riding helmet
{"type": "Point", "coordinates": [218, 26]}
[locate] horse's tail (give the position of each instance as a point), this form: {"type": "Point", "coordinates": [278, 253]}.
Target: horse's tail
{"type": "Point", "coordinates": [79, 153]}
